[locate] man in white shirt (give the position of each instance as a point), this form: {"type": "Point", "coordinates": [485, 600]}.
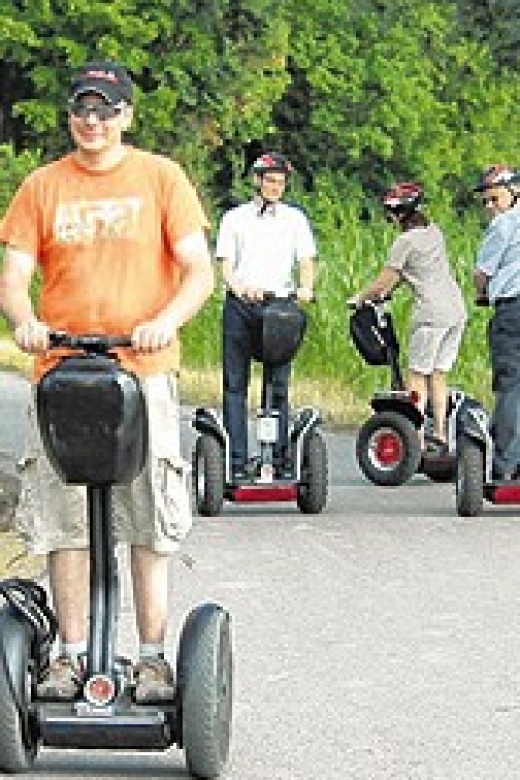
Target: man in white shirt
{"type": "Point", "coordinates": [265, 246]}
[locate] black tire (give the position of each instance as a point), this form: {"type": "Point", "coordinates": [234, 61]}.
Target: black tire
{"type": "Point", "coordinates": [205, 685]}
{"type": "Point", "coordinates": [469, 483]}
{"type": "Point", "coordinates": [388, 449]}
{"type": "Point", "coordinates": [312, 490]}
{"type": "Point", "coordinates": [208, 475]}
{"type": "Point", "coordinates": [18, 742]}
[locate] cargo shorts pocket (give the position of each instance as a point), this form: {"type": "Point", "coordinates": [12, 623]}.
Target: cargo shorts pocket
{"type": "Point", "coordinates": [173, 487]}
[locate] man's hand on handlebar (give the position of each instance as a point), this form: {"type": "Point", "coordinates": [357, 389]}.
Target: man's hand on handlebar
{"type": "Point", "coordinates": [32, 336]}
{"type": "Point", "coordinates": [153, 335]}
{"type": "Point", "coordinates": [249, 293]}
{"type": "Point", "coordinates": [354, 302]}
{"type": "Point", "coordinates": [305, 295]}
{"type": "Point", "coordinates": [256, 295]}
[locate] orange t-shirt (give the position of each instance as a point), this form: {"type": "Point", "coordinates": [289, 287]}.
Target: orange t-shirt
{"type": "Point", "coordinates": [104, 242]}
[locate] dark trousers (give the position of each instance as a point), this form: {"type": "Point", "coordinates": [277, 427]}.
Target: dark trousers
{"type": "Point", "coordinates": [504, 347]}
{"type": "Point", "coordinates": [242, 343]}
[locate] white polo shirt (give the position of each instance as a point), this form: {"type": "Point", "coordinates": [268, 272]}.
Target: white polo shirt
{"type": "Point", "coordinates": [264, 249]}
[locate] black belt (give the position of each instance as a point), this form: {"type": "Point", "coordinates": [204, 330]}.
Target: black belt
{"type": "Point", "coordinates": [261, 302]}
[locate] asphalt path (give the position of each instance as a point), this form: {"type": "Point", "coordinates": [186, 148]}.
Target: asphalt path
{"type": "Point", "coordinates": [377, 640]}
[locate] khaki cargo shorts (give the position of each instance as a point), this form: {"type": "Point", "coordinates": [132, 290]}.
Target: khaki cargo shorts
{"type": "Point", "coordinates": [154, 511]}
{"type": "Point", "coordinates": [434, 348]}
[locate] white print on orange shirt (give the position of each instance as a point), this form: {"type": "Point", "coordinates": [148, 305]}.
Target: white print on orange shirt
{"type": "Point", "coordinates": [85, 221]}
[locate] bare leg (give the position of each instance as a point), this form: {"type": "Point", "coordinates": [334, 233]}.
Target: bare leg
{"type": "Point", "coordinates": [418, 383]}
{"type": "Point", "coordinates": [69, 572]}
{"type": "Point", "coordinates": [439, 403]}
{"type": "Point", "coordinates": [150, 584]}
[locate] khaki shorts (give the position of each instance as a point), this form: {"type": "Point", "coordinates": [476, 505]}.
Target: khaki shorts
{"type": "Point", "coordinates": [154, 511]}
{"type": "Point", "coordinates": [434, 349]}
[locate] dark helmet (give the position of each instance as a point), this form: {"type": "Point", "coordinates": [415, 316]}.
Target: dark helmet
{"type": "Point", "coordinates": [272, 161]}
{"type": "Point", "coordinates": [497, 176]}
{"type": "Point", "coordinates": [403, 197]}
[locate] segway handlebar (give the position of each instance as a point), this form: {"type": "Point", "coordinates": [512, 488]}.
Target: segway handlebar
{"type": "Point", "coordinates": [353, 303]}
{"type": "Point", "coordinates": [87, 342]}
{"type": "Point", "coordinates": [292, 296]}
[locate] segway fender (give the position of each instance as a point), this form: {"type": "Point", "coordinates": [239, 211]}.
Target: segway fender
{"type": "Point", "coordinates": [305, 421]}
{"type": "Point", "coordinates": [473, 421]}
{"type": "Point", "coordinates": [208, 421]}
{"type": "Point", "coordinates": [400, 404]}
{"type": "Point", "coordinates": [16, 634]}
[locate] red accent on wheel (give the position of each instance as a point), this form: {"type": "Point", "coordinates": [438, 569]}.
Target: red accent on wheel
{"type": "Point", "coordinates": [388, 450]}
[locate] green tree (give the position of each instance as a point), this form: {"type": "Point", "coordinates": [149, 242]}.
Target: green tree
{"type": "Point", "coordinates": [207, 72]}
{"type": "Point", "coordinates": [393, 90]}
{"type": "Point", "coordinates": [495, 24]}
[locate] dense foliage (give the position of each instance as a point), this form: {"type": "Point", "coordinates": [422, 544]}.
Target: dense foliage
{"type": "Point", "coordinates": [356, 93]}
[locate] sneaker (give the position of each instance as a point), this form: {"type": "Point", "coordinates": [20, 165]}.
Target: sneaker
{"type": "Point", "coordinates": [153, 681]}
{"type": "Point", "coordinates": [63, 680]}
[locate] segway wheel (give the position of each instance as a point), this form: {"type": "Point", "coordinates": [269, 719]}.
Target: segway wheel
{"type": "Point", "coordinates": [388, 449]}
{"type": "Point", "coordinates": [469, 483]}
{"type": "Point", "coordinates": [205, 680]}
{"type": "Point", "coordinates": [18, 742]}
{"type": "Point", "coordinates": [208, 473]}
{"type": "Point", "coordinates": [311, 495]}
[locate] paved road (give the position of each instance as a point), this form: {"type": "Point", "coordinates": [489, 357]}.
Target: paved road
{"type": "Point", "coordinates": [378, 641]}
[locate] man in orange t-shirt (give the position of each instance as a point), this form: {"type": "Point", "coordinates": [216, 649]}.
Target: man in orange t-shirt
{"type": "Point", "coordinates": [118, 235]}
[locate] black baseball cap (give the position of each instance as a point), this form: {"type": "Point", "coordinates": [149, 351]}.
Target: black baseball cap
{"type": "Point", "coordinates": [104, 78]}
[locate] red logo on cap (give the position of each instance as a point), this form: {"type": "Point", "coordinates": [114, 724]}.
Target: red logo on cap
{"type": "Point", "coordinates": [103, 75]}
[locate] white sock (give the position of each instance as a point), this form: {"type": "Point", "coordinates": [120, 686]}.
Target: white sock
{"type": "Point", "coordinates": [151, 650]}
{"type": "Point", "coordinates": [73, 649]}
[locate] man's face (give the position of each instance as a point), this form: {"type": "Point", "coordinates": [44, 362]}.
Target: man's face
{"type": "Point", "coordinates": [95, 125]}
{"type": "Point", "coordinates": [496, 200]}
{"type": "Point", "coordinates": [272, 186]}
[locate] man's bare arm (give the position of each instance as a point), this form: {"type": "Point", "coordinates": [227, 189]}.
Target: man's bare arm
{"type": "Point", "coordinates": [15, 280]}
{"type": "Point", "coordinates": [196, 285]}
{"type": "Point", "coordinates": [30, 334]}
{"type": "Point", "coordinates": [307, 270]}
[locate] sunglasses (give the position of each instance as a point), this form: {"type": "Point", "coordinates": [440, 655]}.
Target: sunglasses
{"type": "Point", "coordinates": [103, 111]}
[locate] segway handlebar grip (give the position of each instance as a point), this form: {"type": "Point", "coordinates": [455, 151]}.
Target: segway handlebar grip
{"type": "Point", "coordinates": [354, 303]}
{"type": "Point", "coordinates": [292, 296]}
{"type": "Point", "coordinates": [87, 342]}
